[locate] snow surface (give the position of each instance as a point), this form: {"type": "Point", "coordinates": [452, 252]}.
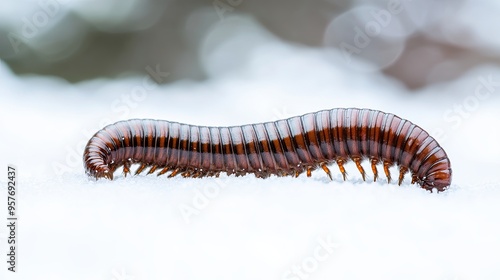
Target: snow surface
{"type": "Point", "coordinates": [149, 227]}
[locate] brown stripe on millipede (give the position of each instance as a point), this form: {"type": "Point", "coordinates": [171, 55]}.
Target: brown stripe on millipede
{"type": "Point", "coordinates": [285, 147]}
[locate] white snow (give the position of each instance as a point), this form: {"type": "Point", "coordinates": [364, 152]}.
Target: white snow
{"type": "Point", "coordinates": [149, 227]}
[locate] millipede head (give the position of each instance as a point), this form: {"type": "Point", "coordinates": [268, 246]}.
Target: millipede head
{"type": "Point", "coordinates": [439, 180]}
{"type": "Point", "coordinates": [104, 173]}
{"type": "Point", "coordinates": [107, 174]}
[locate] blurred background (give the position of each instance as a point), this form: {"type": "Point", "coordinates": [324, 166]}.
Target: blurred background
{"type": "Point", "coordinates": [416, 42]}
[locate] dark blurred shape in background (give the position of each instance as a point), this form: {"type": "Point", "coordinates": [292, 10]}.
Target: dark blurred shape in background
{"type": "Point", "coordinates": [417, 42]}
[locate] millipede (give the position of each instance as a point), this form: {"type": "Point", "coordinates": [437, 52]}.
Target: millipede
{"type": "Point", "coordinates": [284, 148]}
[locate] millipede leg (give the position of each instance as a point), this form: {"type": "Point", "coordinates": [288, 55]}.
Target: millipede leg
{"type": "Point", "coordinates": [163, 171]}
{"type": "Point", "coordinates": [386, 170]}
{"type": "Point", "coordinates": [325, 168]}
{"type": "Point", "coordinates": [360, 168]}
{"type": "Point", "coordinates": [140, 169]}
{"type": "Point", "coordinates": [108, 175]}
{"type": "Point", "coordinates": [297, 173]}
{"type": "Point", "coordinates": [340, 163]}
{"type": "Point", "coordinates": [414, 178]}
{"type": "Point", "coordinates": [197, 174]}
{"type": "Point", "coordinates": [175, 172]}
{"type": "Point", "coordinates": [309, 170]}
{"type": "Point", "coordinates": [126, 168]}
{"type": "Point", "coordinates": [185, 174]}
{"type": "Point", "coordinates": [374, 163]}
{"type": "Point", "coordinates": [152, 169]}
{"type": "Point", "coordinates": [402, 172]}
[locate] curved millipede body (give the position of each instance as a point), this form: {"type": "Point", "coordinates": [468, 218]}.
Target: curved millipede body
{"type": "Point", "coordinates": [285, 147]}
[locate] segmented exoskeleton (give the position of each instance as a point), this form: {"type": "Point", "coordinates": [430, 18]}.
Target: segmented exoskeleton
{"type": "Point", "coordinates": [284, 147]}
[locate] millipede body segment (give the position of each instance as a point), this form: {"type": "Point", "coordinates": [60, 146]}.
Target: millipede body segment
{"type": "Point", "coordinates": [284, 147]}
